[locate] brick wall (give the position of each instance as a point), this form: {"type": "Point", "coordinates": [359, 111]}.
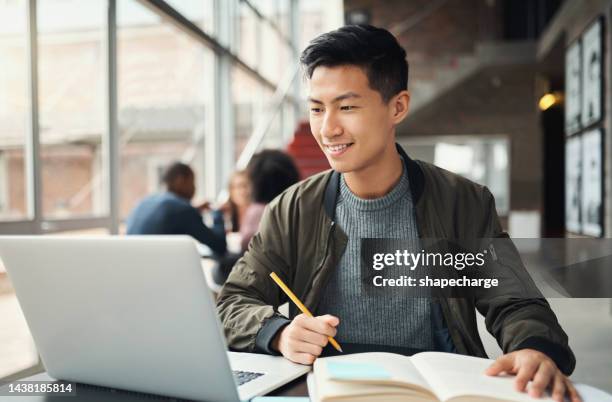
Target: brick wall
{"type": "Point", "coordinates": [494, 100]}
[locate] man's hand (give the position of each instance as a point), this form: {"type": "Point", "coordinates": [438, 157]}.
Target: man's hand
{"type": "Point", "coordinates": [305, 337]}
{"type": "Point", "coordinates": [203, 206]}
{"type": "Point", "coordinates": [532, 365]}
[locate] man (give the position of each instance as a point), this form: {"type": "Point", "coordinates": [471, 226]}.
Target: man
{"type": "Point", "coordinates": [171, 212]}
{"type": "Point", "coordinates": [310, 234]}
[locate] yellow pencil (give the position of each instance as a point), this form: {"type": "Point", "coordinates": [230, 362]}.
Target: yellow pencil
{"type": "Point", "coordinates": [299, 305]}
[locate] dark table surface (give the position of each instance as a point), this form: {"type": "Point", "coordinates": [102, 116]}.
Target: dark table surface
{"type": "Point", "coordinates": [86, 392]}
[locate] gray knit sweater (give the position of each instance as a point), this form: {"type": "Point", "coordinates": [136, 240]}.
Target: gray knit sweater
{"type": "Point", "coordinates": [387, 317]}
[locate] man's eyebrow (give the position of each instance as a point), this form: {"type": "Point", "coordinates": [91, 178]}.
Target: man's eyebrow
{"type": "Point", "coordinates": [347, 95]}
{"type": "Point", "coordinates": [338, 98]}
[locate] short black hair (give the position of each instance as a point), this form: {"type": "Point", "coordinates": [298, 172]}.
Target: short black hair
{"type": "Point", "coordinates": [175, 170]}
{"type": "Point", "coordinates": [373, 49]}
{"type": "Point", "coordinates": [271, 172]}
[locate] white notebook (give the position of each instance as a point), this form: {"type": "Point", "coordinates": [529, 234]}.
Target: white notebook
{"type": "Point", "coordinates": [427, 376]}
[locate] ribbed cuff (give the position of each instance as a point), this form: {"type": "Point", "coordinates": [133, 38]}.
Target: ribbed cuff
{"type": "Point", "coordinates": [263, 340]}
{"type": "Point", "coordinates": [563, 357]}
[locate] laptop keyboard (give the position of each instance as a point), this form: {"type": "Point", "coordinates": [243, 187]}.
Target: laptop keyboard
{"type": "Point", "coordinates": [242, 377]}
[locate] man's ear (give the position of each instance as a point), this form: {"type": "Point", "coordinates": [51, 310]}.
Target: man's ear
{"type": "Point", "coordinates": [400, 105]}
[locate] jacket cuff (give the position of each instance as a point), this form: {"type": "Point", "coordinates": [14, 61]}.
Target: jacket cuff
{"type": "Point", "coordinates": [563, 357]}
{"type": "Point", "coordinates": [269, 329]}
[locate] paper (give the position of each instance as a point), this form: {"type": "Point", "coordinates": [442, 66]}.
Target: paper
{"type": "Point", "coordinates": [591, 394]}
{"type": "Point", "coordinates": [356, 371]}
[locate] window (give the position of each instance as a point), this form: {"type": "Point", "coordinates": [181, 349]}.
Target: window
{"type": "Point", "coordinates": [248, 36]}
{"type": "Point", "coordinates": [14, 106]}
{"type": "Point", "coordinates": [166, 101]}
{"type": "Point", "coordinates": [482, 159]}
{"type": "Point", "coordinates": [72, 110]}
{"type": "Point", "coordinates": [275, 55]}
{"type": "Point", "coordinates": [249, 104]}
{"type": "Point", "coordinates": [200, 12]}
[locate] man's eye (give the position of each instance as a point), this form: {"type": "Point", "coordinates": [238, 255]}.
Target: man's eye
{"type": "Point", "coordinates": [315, 109]}
{"type": "Point", "coordinates": [348, 107]}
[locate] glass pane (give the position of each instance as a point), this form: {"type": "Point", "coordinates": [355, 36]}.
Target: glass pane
{"type": "Point", "coordinates": [248, 27]}
{"type": "Point", "coordinates": [275, 57]}
{"type": "Point", "coordinates": [72, 97]}
{"type": "Point", "coordinates": [311, 21]}
{"type": "Point", "coordinates": [275, 11]}
{"type": "Point", "coordinates": [249, 102]}
{"type": "Point", "coordinates": [274, 138]}
{"type": "Point", "coordinates": [289, 120]}
{"type": "Point", "coordinates": [283, 18]}
{"type": "Point", "coordinates": [166, 104]}
{"type": "Point", "coordinates": [200, 12]}
{"type": "Point", "coordinates": [14, 106]}
{"type": "Point", "coordinates": [484, 160]}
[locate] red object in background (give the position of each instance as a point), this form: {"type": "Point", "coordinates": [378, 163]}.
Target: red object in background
{"type": "Point", "coordinates": [306, 153]}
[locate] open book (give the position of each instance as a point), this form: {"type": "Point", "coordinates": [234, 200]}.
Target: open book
{"type": "Point", "coordinates": [427, 376]}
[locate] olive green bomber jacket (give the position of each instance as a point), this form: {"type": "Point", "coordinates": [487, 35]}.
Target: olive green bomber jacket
{"type": "Point", "coordinates": [299, 240]}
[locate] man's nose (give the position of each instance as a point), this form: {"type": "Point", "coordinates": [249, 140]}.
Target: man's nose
{"type": "Point", "coordinates": [331, 126]}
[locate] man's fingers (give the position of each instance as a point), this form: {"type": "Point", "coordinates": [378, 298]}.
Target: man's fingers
{"type": "Point", "coordinates": [571, 391]}
{"type": "Point", "coordinates": [313, 337]}
{"type": "Point", "coordinates": [330, 319]}
{"type": "Point", "coordinates": [524, 374]}
{"type": "Point", "coordinates": [305, 347]}
{"type": "Point", "coordinates": [543, 377]}
{"type": "Point", "coordinates": [319, 326]}
{"type": "Point", "coordinates": [503, 363]}
{"type": "Point", "coordinates": [558, 390]}
{"type": "Point", "coordinates": [302, 358]}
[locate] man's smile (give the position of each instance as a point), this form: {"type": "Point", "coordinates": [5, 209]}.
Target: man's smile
{"type": "Point", "coordinates": [337, 149]}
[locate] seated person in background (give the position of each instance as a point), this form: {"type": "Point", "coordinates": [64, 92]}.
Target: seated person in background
{"type": "Point", "coordinates": [239, 200]}
{"type": "Point", "coordinates": [271, 172]}
{"type": "Point", "coordinates": [171, 212]}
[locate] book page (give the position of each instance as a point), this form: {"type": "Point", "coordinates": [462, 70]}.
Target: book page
{"type": "Point", "coordinates": [452, 376]}
{"type": "Point", "coordinates": [403, 378]}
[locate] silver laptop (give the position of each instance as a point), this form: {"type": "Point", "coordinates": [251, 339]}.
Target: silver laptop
{"type": "Point", "coordinates": [133, 313]}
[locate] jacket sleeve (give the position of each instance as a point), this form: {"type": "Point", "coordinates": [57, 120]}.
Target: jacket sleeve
{"type": "Point", "coordinates": [517, 314]}
{"type": "Point", "coordinates": [192, 224]}
{"type": "Point", "coordinates": [248, 303]}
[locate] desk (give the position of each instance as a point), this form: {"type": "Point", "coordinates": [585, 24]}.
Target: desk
{"type": "Point", "coordinates": [296, 387]}
{"type": "Point", "coordinates": [92, 393]}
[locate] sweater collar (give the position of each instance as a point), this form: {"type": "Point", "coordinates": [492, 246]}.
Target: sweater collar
{"type": "Point", "coordinates": [416, 178]}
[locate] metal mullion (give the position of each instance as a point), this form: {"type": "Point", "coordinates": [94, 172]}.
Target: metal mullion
{"type": "Point", "coordinates": [223, 146]}
{"type": "Point", "coordinates": [294, 18]}
{"type": "Point", "coordinates": [21, 227]}
{"type": "Point", "coordinates": [62, 225]}
{"type": "Point", "coordinates": [32, 146]}
{"type": "Point", "coordinates": [111, 140]}
{"type": "Point", "coordinates": [258, 43]}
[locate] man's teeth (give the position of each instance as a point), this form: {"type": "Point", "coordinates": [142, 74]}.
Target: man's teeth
{"type": "Point", "coordinates": [337, 148]}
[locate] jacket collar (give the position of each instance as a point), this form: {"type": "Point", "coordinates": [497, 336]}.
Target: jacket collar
{"type": "Point", "coordinates": [415, 177]}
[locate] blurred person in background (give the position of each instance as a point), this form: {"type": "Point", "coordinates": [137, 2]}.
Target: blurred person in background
{"type": "Point", "coordinates": [271, 172]}
{"type": "Point", "coordinates": [170, 212]}
{"type": "Point", "coordinates": [239, 200]}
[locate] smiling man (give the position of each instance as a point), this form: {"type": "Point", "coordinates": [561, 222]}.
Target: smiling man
{"type": "Point", "coordinates": [310, 235]}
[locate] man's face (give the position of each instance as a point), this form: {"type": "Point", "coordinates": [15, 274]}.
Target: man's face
{"type": "Point", "coordinates": [184, 186]}
{"type": "Point", "coordinates": [352, 124]}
